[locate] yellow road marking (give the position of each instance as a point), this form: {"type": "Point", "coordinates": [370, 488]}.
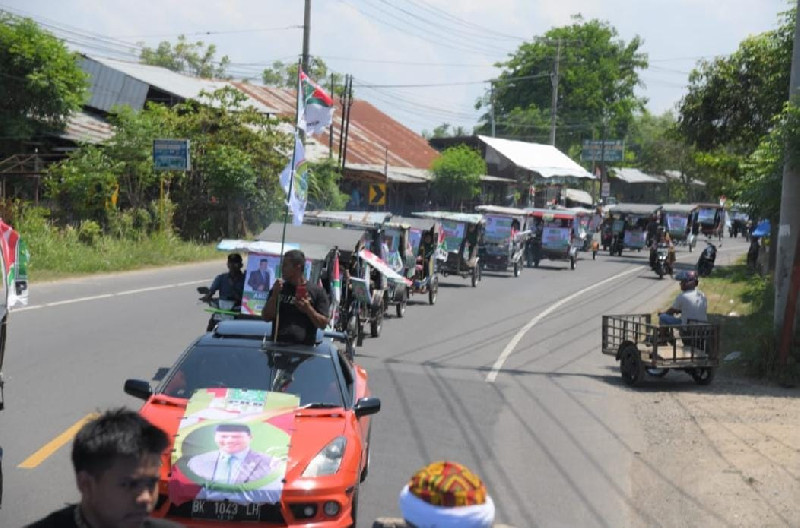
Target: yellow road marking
{"type": "Point", "coordinates": [55, 444]}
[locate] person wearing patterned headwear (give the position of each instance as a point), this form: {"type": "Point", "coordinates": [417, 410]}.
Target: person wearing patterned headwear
{"type": "Point", "coordinates": [446, 495]}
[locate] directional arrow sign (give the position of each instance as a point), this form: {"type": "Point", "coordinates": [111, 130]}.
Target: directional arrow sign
{"type": "Point", "coordinates": [377, 194]}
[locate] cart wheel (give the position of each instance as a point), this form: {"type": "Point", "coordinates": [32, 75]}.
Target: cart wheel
{"type": "Point", "coordinates": [703, 375]}
{"type": "Point", "coordinates": [536, 263]}
{"type": "Point", "coordinates": [572, 262]}
{"type": "Point", "coordinates": [594, 255]}
{"type": "Point", "coordinates": [475, 272]}
{"type": "Point", "coordinates": [361, 333]}
{"type": "Point", "coordinates": [631, 366]}
{"type": "Point", "coordinates": [516, 269]}
{"type": "Point", "coordinates": [657, 372]}
{"type": "Point", "coordinates": [375, 326]}
{"type": "Point", "coordinates": [433, 291]}
{"type": "Point", "coordinates": [401, 308]}
{"type": "Point", "coordinates": [660, 273]}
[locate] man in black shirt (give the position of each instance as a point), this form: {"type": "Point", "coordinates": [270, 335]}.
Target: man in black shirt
{"type": "Point", "coordinates": [117, 460]}
{"type": "Point", "coordinates": [296, 307]}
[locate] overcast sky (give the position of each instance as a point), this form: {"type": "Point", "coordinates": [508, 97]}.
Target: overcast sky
{"type": "Point", "coordinates": [402, 42]}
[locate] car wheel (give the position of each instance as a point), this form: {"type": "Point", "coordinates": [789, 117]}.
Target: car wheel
{"type": "Point", "coordinates": [354, 507]}
{"type": "Point", "coordinates": [365, 471]}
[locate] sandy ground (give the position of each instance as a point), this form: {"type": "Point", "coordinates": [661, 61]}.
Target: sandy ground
{"type": "Point", "coordinates": [723, 455]}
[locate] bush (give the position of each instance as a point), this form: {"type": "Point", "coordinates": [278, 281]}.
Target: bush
{"type": "Point", "coordinates": [90, 232]}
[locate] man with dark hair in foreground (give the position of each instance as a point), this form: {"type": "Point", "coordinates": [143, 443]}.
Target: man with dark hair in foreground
{"type": "Point", "coordinates": [117, 461]}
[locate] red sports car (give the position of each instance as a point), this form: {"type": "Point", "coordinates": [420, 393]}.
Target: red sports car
{"type": "Point", "coordinates": [266, 433]}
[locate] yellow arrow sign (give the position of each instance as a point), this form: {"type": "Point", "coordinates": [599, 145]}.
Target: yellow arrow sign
{"type": "Point", "coordinates": [377, 194]}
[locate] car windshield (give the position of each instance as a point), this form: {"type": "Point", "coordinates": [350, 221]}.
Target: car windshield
{"type": "Point", "coordinates": [310, 376]}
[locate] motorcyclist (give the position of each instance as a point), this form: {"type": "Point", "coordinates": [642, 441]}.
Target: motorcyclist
{"type": "Point", "coordinates": [230, 285]}
{"type": "Point", "coordinates": [662, 239]}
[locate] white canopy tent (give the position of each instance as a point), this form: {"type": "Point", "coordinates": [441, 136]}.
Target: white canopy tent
{"type": "Point", "coordinates": [545, 160]}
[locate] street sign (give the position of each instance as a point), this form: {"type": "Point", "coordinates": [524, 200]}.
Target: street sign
{"type": "Point", "coordinates": [605, 189]}
{"type": "Point", "coordinates": [377, 194]}
{"type": "Point", "coordinates": [614, 150]}
{"type": "Point", "coordinates": [171, 154]}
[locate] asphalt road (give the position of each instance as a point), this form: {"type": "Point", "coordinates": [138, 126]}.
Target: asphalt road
{"type": "Point", "coordinates": [506, 378]}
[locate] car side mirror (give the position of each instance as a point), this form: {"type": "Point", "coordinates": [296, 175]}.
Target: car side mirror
{"type": "Point", "coordinates": [138, 388]}
{"type": "Point", "coordinates": [367, 406]}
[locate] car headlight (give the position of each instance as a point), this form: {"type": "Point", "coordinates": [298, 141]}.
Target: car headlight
{"type": "Point", "coordinates": [328, 460]}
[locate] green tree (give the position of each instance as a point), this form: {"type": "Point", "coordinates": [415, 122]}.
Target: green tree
{"type": "Point", "coordinates": [731, 101]}
{"type": "Point", "coordinates": [193, 58]}
{"type": "Point", "coordinates": [86, 182]}
{"type": "Point", "coordinates": [323, 186]}
{"type": "Point", "coordinates": [598, 73]}
{"type": "Point", "coordinates": [446, 130]}
{"type": "Point", "coordinates": [41, 83]}
{"type": "Point", "coordinates": [457, 173]}
{"type": "Point", "coordinates": [284, 75]}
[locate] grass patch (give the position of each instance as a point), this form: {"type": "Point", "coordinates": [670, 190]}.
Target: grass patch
{"type": "Point", "coordinates": [60, 254]}
{"type": "Point", "coordinates": [742, 303]}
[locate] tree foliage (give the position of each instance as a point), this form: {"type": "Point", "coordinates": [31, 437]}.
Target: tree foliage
{"type": "Point", "coordinates": [192, 58]}
{"type": "Point", "coordinates": [731, 101]}
{"type": "Point", "coordinates": [284, 75]}
{"type": "Point", "coordinates": [41, 83]}
{"type": "Point", "coordinates": [231, 190]}
{"type": "Point", "coordinates": [456, 174]}
{"type": "Point", "coordinates": [598, 73]}
{"type": "Point", "coordinates": [446, 130]}
{"type": "Point", "coordinates": [323, 186]}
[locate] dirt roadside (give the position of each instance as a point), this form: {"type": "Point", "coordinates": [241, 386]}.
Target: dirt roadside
{"type": "Point", "coordinates": [724, 455]}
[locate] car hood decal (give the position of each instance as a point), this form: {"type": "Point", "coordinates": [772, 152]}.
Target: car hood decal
{"type": "Point", "coordinates": [232, 444]}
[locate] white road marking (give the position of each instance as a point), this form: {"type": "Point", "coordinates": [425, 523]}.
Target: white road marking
{"type": "Point", "coordinates": [108, 295]}
{"type": "Point", "coordinates": [533, 322]}
{"type": "Point", "coordinates": [509, 349]}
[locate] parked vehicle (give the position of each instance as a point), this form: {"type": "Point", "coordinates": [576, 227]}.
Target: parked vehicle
{"type": "Point", "coordinates": [643, 348]}
{"type": "Point", "coordinates": [504, 238]}
{"type": "Point", "coordinates": [462, 235]}
{"type": "Point", "coordinates": [705, 264]}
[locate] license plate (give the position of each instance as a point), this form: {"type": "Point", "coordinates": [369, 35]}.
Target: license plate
{"type": "Point", "coordinates": [225, 511]}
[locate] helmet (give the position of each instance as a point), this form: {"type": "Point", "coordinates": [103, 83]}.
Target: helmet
{"type": "Point", "coordinates": [687, 278]}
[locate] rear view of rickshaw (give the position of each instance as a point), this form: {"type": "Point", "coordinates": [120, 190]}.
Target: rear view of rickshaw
{"type": "Point", "coordinates": [424, 237]}
{"type": "Point", "coordinates": [629, 225]}
{"type": "Point", "coordinates": [646, 349]}
{"type": "Point", "coordinates": [553, 236]}
{"type": "Point", "coordinates": [739, 223]}
{"type": "Point", "coordinates": [462, 234]}
{"type": "Point", "coordinates": [709, 218]}
{"type": "Point", "coordinates": [504, 238]}
{"type": "Point", "coordinates": [676, 220]}
{"type": "Point", "coordinates": [587, 226]}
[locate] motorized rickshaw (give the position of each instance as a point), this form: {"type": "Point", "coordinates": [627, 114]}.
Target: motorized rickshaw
{"type": "Point", "coordinates": [675, 219]}
{"type": "Point", "coordinates": [709, 218]}
{"type": "Point", "coordinates": [360, 298]}
{"type": "Point", "coordinates": [587, 230]}
{"type": "Point", "coordinates": [389, 248]}
{"type": "Point", "coordinates": [504, 238]}
{"type": "Point", "coordinates": [629, 225]}
{"type": "Point", "coordinates": [554, 236]}
{"type": "Point", "coordinates": [462, 234]}
{"type": "Point", "coordinates": [643, 348]}
{"type": "Point", "coordinates": [424, 274]}
{"type": "Point", "coordinates": [739, 223]}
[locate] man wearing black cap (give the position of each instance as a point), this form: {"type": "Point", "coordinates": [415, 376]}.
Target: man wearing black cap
{"type": "Point", "coordinates": [230, 285]}
{"type": "Point", "coordinates": [234, 462]}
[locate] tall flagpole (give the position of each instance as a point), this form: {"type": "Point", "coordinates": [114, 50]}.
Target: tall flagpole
{"type": "Point", "coordinates": [291, 183]}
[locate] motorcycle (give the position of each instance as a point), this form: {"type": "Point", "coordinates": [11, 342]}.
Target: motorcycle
{"type": "Point", "coordinates": [705, 264]}
{"type": "Point", "coordinates": [221, 310]}
{"type": "Point", "coordinates": [662, 265]}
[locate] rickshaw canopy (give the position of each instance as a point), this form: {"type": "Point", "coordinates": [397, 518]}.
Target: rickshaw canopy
{"type": "Point", "coordinates": [501, 211]}
{"type": "Point", "coordinates": [555, 214]}
{"type": "Point", "coordinates": [464, 218]}
{"type": "Point", "coordinates": [633, 209]}
{"type": "Point", "coordinates": [348, 218]}
{"type": "Point", "coordinates": [310, 238]}
{"type": "Point", "coordinates": [678, 208]}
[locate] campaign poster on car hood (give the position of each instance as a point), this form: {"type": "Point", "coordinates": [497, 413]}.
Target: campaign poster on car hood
{"type": "Point", "coordinates": [231, 445]}
{"type": "Point", "coordinates": [260, 274]}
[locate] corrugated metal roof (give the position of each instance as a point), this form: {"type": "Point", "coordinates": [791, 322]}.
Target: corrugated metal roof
{"type": "Point", "coordinates": [395, 174]}
{"type": "Point", "coordinates": [545, 160]}
{"type": "Point", "coordinates": [633, 175]}
{"type": "Point", "coordinates": [577, 195]}
{"type": "Point", "coordinates": [122, 82]}
{"type": "Point", "coordinates": [375, 138]}
{"type": "Point", "coordinates": [83, 127]}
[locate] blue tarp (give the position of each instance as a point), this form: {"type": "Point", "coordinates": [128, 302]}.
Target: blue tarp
{"type": "Point", "coordinates": [762, 229]}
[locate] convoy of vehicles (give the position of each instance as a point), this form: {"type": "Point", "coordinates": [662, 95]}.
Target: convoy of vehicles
{"type": "Point", "coordinates": [553, 237]}
{"type": "Point", "coordinates": [504, 239]}
{"type": "Point", "coordinates": [462, 235]}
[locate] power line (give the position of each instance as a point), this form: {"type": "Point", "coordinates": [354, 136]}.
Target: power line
{"type": "Point", "coordinates": [221, 32]}
{"type": "Point", "coordinates": [440, 12]}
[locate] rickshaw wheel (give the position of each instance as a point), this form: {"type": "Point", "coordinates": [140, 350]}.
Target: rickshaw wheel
{"type": "Point", "coordinates": [475, 271]}
{"type": "Point", "coordinates": [360, 336]}
{"type": "Point", "coordinates": [703, 375]}
{"type": "Point", "coordinates": [572, 263]}
{"type": "Point", "coordinates": [433, 290]}
{"type": "Point", "coordinates": [401, 308]}
{"type": "Point", "coordinates": [375, 325]}
{"type": "Point", "coordinates": [516, 269]}
{"type": "Point", "coordinates": [594, 255]}
{"type": "Point", "coordinates": [631, 366]}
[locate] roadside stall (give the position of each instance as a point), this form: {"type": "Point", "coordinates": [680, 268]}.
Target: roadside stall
{"type": "Point", "coordinates": [462, 234]}
{"type": "Point", "coordinates": [554, 236]}
{"type": "Point", "coordinates": [504, 238]}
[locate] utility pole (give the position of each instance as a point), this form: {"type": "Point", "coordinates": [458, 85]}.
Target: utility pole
{"type": "Point", "coordinates": [554, 104]}
{"type": "Point", "coordinates": [787, 274]}
{"type": "Point", "coordinates": [491, 114]}
{"type": "Point", "coordinates": [330, 129]}
{"type": "Point", "coordinates": [343, 99]}
{"type": "Point", "coordinates": [347, 122]}
{"type": "Point", "coordinates": [306, 33]}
